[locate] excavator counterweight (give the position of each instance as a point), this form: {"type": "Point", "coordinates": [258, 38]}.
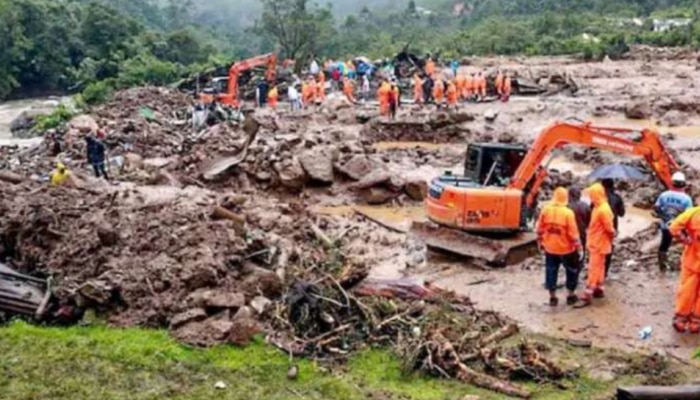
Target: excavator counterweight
{"type": "Point", "coordinates": [487, 212]}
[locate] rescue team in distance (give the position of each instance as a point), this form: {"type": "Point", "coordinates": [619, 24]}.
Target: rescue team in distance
{"type": "Point", "coordinates": [568, 228]}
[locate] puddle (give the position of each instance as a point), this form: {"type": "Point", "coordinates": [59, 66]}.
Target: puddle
{"type": "Point", "coordinates": [399, 218]}
{"type": "Point", "coordinates": [635, 221]}
{"type": "Point", "coordinates": [384, 146]}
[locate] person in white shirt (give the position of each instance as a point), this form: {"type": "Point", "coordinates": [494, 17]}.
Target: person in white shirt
{"type": "Point", "coordinates": [365, 88]}
{"type": "Point", "coordinates": [293, 96]}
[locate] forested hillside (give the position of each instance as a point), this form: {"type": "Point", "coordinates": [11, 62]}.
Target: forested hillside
{"type": "Point", "coordinates": [92, 46]}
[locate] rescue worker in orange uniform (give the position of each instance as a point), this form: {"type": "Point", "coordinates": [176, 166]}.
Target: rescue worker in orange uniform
{"type": "Point", "coordinates": [451, 95]}
{"type": "Point", "coordinates": [460, 81]}
{"type": "Point", "coordinates": [321, 87]}
{"type": "Point", "coordinates": [383, 97]}
{"type": "Point", "coordinates": [499, 83]}
{"type": "Point", "coordinates": [439, 92]}
{"type": "Point", "coordinates": [313, 91]}
{"type": "Point", "coordinates": [430, 67]}
{"type": "Point", "coordinates": [558, 235]}
{"type": "Point", "coordinates": [686, 227]}
{"type": "Point", "coordinates": [272, 97]}
{"type": "Point", "coordinates": [468, 91]}
{"type": "Point", "coordinates": [599, 238]}
{"type": "Point", "coordinates": [481, 86]}
{"type": "Point", "coordinates": [349, 89]}
{"type": "Point", "coordinates": [305, 94]}
{"type": "Point", "coordinates": [507, 88]}
{"type": "Point", "coordinates": [417, 89]}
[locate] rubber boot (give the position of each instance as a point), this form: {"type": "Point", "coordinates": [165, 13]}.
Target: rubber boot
{"type": "Point", "coordinates": [694, 325]}
{"type": "Point", "coordinates": [663, 261]}
{"type": "Point", "coordinates": [680, 323]}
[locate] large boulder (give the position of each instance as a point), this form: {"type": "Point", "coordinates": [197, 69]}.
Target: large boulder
{"type": "Point", "coordinates": [416, 189]}
{"type": "Point", "coordinates": [358, 167]}
{"type": "Point", "coordinates": [318, 163]}
{"type": "Point", "coordinates": [84, 123]}
{"type": "Point", "coordinates": [640, 110]}
{"type": "Point", "coordinates": [674, 118]}
{"type": "Point", "coordinates": [377, 195]}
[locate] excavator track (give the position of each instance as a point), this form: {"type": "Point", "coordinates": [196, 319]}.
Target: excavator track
{"type": "Point", "coordinates": [496, 251]}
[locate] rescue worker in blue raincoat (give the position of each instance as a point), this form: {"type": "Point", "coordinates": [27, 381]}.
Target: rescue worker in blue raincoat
{"type": "Point", "coordinates": [669, 205]}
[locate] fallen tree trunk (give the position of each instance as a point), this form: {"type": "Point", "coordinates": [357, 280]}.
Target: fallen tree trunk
{"type": "Point", "coordinates": [11, 177]}
{"type": "Point", "coordinates": [659, 393]}
{"type": "Point", "coordinates": [501, 334]}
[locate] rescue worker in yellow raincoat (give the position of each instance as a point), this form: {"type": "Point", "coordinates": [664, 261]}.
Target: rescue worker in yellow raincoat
{"type": "Point", "coordinates": [61, 175]}
{"type": "Point", "coordinates": [273, 97]}
{"type": "Point", "coordinates": [600, 235]}
{"type": "Point", "coordinates": [558, 236]}
{"type": "Point", "coordinates": [686, 227]}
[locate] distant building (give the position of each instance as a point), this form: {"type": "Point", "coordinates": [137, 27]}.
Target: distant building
{"type": "Point", "coordinates": [663, 25]}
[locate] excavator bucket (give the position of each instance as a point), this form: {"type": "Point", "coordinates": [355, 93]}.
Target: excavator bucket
{"type": "Point", "coordinates": [495, 251]}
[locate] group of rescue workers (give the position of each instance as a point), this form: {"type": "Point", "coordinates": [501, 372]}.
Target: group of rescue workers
{"type": "Point", "coordinates": [430, 86]}
{"type": "Point", "coordinates": [570, 230]}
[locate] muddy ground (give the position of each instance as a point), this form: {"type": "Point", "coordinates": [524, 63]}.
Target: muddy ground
{"type": "Point", "coordinates": [331, 174]}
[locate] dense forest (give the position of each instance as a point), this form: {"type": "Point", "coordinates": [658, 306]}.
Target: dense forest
{"type": "Point", "coordinates": [93, 46]}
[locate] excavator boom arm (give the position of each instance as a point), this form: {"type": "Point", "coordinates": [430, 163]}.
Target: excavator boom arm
{"type": "Point", "coordinates": [268, 59]}
{"type": "Point", "coordinates": [558, 135]}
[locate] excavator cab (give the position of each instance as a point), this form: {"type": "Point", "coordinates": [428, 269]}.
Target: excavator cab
{"type": "Point", "coordinates": [493, 164]}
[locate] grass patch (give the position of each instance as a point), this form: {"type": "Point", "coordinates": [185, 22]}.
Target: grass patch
{"type": "Point", "coordinates": [99, 362]}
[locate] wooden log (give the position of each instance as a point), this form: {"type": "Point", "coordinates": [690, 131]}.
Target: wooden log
{"type": "Point", "coordinates": [238, 220]}
{"type": "Point", "coordinates": [322, 237]}
{"type": "Point", "coordinates": [659, 393]}
{"type": "Point", "coordinates": [501, 334]}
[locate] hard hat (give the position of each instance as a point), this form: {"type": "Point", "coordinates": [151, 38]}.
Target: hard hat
{"type": "Point", "coordinates": [678, 177]}
{"type": "Point", "coordinates": [60, 166]}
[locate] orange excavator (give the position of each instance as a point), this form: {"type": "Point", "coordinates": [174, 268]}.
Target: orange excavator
{"type": "Point", "coordinates": [224, 90]}
{"type": "Point", "coordinates": [487, 213]}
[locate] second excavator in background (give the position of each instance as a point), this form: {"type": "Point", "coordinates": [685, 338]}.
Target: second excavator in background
{"type": "Point", "coordinates": [224, 90]}
{"type": "Point", "coordinates": [486, 213]}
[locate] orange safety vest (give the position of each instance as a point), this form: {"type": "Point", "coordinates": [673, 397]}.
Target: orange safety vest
{"type": "Point", "coordinates": [688, 224]}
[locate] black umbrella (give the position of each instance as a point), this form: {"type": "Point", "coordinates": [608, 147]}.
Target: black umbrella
{"type": "Point", "coordinates": [617, 171]}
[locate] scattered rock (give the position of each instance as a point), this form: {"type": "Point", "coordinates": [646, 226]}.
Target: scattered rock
{"type": "Point", "coordinates": [416, 189]}
{"type": "Point", "coordinates": [219, 299]}
{"type": "Point", "coordinates": [220, 385]}
{"type": "Point", "coordinates": [194, 314]}
{"type": "Point", "coordinates": [674, 118]}
{"type": "Point", "coordinates": [97, 291]}
{"type": "Point", "coordinates": [291, 173]}
{"type": "Point", "coordinates": [374, 178]}
{"type": "Point", "coordinates": [293, 372]}
{"type": "Point", "coordinates": [491, 115]}
{"type": "Point", "coordinates": [377, 195]}
{"type": "Point", "coordinates": [108, 236]}
{"type": "Point", "coordinates": [638, 111]}
{"type": "Point", "coordinates": [260, 304]}
{"type": "Point", "coordinates": [243, 331]}
{"type": "Point", "coordinates": [205, 333]}
{"type": "Point", "coordinates": [318, 163]}
{"type": "Point", "coordinates": [358, 167]}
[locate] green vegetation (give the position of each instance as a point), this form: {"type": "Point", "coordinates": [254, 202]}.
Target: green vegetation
{"type": "Point", "coordinates": [97, 46]}
{"type": "Point", "coordinates": [98, 362]}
